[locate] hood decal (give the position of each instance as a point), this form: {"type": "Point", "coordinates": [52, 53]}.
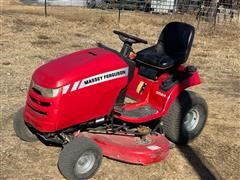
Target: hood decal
{"type": "Point", "coordinates": [96, 79]}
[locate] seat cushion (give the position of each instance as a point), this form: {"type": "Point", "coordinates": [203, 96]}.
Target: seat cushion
{"type": "Point", "coordinates": [156, 57]}
{"type": "Point", "coordinates": [172, 48]}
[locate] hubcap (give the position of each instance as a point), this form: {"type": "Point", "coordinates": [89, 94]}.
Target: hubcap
{"type": "Point", "coordinates": [84, 163]}
{"type": "Point", "coordinates": [191, 119]}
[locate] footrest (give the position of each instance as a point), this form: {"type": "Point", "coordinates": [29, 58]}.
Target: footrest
{"type": "Point", "coordinates": [142, 111]}
{"type": "Point", "coordinates": [137, 112]}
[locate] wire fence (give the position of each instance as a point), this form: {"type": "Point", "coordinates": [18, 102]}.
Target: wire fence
{"type": "Point", "coordinates": [205, 10]}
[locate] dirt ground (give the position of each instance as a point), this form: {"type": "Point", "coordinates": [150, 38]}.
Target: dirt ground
{"type": "Point", "coordinates": [28, 40]}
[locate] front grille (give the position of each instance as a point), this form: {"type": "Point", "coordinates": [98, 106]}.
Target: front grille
{"type": "Point", "coordinates": [41, 103]}
{"type": "Point", "coordinates": [37, 111]}
{"type": "Point", "coordinates": [37, 91]}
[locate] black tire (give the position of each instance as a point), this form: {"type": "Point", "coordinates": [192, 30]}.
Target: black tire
{"type": "Point", "coordinates": [71, 154]}
{"type": "Point", "coordinates": [21, 129]}
{"type": "Point", "coordinates": [178, 127]}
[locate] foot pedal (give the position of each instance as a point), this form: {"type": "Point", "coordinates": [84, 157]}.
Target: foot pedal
{"type": "Point", "coordinates": [129, 100]}
{"type": "Point", "coordinates": [119, 109]}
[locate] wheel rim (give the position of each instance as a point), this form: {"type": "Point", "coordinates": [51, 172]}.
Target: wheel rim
{"type": "Point", "coordinates": [191, 119]}
{"type": "Point", "coordinates": [85, 163]}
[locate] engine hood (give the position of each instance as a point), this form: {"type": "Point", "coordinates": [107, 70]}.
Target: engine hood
{"type": "Point", "coordinates": [77, 66]}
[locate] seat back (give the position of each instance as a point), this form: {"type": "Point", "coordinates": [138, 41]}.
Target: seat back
{"type": "Point", "coordinates": [176, 40]}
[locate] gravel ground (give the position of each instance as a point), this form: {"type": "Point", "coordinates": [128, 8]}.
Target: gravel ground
{"type": "Point", "coordinates": [28, 40]}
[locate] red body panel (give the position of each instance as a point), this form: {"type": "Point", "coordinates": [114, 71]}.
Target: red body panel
{"type": "Point", "coordinates": [129, 149]}
{"type": "Point", "coordinates": [154, 96]}
{"type": "Point", "coordinates": [88, 90]}
{"type": "Point", "coordinates": [90, 82]}
{"type": "Point", "coordinates": [76, 66]}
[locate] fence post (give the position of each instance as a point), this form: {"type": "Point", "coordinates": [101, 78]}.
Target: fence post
{"type": "Point", "coordinates": [119, 10]}
{"type": "Point", "coordinates": [45, 8]}
{"type": "Point", "coordinates": [119, 15]}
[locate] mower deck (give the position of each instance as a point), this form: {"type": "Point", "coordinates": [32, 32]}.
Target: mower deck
{"type": "Point", "coordinates": [132, 149]}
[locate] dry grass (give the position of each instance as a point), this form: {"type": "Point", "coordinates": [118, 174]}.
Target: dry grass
{"type": "Point", "coordinates": [29, 40]}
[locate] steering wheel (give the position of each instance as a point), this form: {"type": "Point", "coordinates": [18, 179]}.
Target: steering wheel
{"type": "Point", "coordinates": [130, 39]}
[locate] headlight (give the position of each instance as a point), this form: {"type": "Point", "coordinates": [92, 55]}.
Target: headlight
{"type": "Point", "coordinates": [46, 92]}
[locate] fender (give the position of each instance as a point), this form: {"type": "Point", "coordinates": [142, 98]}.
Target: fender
{"type": "Point", "coordinates": [158, 98]}
{"type": "Point", "coordinates": [177, 89]}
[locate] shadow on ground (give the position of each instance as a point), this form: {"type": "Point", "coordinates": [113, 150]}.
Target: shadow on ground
{"type": "Point", "coordinates": [197, 163]}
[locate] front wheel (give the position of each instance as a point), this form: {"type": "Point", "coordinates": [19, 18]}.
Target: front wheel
{"type": "Point", "coordinates": [80, 159]}
{"type": "Point", "coordinates": [185, 118]}
{"type": "Point", "coordinates": [21, 129]}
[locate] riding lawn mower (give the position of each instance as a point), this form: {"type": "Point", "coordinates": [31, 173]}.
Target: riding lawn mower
{"type": "Point", "coordinates": [123, 105]}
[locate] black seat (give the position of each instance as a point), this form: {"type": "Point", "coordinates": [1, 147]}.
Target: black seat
{"type": "Point", "coordinates": [172, 48]}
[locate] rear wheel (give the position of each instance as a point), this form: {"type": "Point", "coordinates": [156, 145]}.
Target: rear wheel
{"type": "Point", "coordinates": [186, 118]}
{"type": "Point", "coordinates": [80, 159]}
{"type": "Point", "coordinates": [21, 129]}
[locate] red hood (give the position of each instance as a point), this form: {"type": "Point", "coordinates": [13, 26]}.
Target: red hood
{"type": "Point", "coordinates": [76, 66]}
